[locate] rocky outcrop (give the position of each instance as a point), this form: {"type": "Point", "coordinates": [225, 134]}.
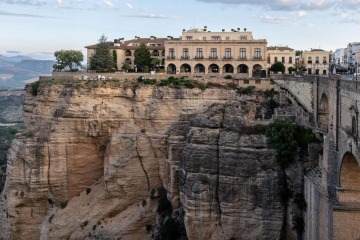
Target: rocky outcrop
{"type": "Point", "coordinates": [95, 157]}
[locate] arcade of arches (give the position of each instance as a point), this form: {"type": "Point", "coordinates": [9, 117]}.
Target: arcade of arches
{"type": "Point", "coordinates": [215, 68]}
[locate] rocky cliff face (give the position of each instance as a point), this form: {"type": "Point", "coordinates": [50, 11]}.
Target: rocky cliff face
{"type": "Point", "coordinates": [95, 158]}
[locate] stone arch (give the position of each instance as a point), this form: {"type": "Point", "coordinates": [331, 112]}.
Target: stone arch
{"type": "Point", "coordinates": [185, 68]}
{"type": "Point", "coordinates": [257, 70]}
{"type": "Point", "coordinates": [243, 68]}
{"type": "Point", "coordinates": [128, 61]}
{"type": "Point", "coordinates": [199, 68]}
{"type": "Point", "coordinates": [349, 172]}
{"type": "Point", "coordinates": [171, 69]}
{"type": "Point", "coordinates": [155, 53]}
{"type": "Point", "coordinates": [128, 53]}
{"type": "Point", "coordinates": [324, 112]}
{"type": "Point", "coordinates": [214, 68]}
{"type": "Point", "coordinates": [228, 68]}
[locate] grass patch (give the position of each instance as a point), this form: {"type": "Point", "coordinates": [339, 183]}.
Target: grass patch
{"type": "Point", "coordinates": [245, 90]}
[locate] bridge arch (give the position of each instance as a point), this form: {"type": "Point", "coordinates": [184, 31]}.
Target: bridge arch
{"type": "Point", "coordinates": [349, 172]}
{"type": "Point", "coordinates": [323, 112]}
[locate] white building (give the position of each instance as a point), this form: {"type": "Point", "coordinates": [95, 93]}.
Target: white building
{"type": "Point", "coordinates": [338, 57]}
{"type": "Point", "coordinates": [349, 55]}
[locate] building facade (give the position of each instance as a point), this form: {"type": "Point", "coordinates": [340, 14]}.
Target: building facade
{"type": "Point", "coordinates": [338, 57]}
{"type": "Point", "coordinates": [349, 55]}
{"type": "Point", "coordinates": [200, 51]}
{"type": "Point", "coordinates": [285, 55]}
{"type": "Point", "coordinates": [125, 50]}
{"type": "Point", "coordinates": [316, 61]}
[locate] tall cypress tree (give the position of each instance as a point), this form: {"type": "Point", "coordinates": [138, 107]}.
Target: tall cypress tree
{"type": "Point", "coordinates": [142, 57]}
{"type": "Point", "coordinates": [102, 60]}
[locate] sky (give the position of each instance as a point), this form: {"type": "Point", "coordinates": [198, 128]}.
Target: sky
{"type": "Point", "coordinates": [38, 28]}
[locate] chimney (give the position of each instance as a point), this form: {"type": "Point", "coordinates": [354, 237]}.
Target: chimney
{"type": "Point", "coordinates": [205, 26]}
{"type": "Point", "coordinates": [238, 29]}
{"type": "Point", "coordinates": [121, 40]}
{"type": "Point", "coordinates": [244, 29]}
{"type": "Point", "coordinates": [183, 30]}
{"type": "Point", "coordinates": [152, 37]}
{"type": "Point", "coordinates": [223, 30]}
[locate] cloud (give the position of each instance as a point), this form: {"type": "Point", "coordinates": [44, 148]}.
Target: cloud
{"type": "Point", "coordinates": [129, 5]}
{"type": "Point", "coordinates": [302, 13]}
{"type": "Point", "coordinates": [282, 5]}
{"type": "Point", "coordinates": [274, 20]}
{"type": "Point", "coordinates": [21, 15]}
{"type": "Point", "coordinates": [350, 4]}
{"type": "Point", "coordinates": [108, 3]}
{"type": "Point", "coordinates": [154, 16]}
{"type": "Point", "coordinates": [13, 52]}
{"type": "Point", "coordinates": [310, 25]}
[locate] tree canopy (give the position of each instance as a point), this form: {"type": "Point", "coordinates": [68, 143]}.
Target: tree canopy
{"type": "Point", "coordinates": [68, 58]}
{"type": "Point", "coordinates": [278, 67]}
{"type": "Point", "coordinates": [142, 57]}
{"type": "Point", "coordinates": [102, 59]}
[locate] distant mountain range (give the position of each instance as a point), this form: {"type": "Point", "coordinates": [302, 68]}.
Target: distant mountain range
{"type": "Point", "coordinates": [16, 71]}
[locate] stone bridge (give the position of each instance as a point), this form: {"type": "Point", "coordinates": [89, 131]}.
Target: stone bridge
{"type": "Point", "coordinates": [332, 191]}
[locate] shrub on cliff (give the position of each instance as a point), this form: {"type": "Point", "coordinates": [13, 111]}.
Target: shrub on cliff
{"type": "Point", "coordinates": [34, 88]}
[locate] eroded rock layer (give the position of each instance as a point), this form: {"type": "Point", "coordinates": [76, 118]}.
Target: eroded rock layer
{"type": "Point", "coordinates": [94, 158]}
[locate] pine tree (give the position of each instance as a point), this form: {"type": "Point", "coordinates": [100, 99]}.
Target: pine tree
{"type": "Point", "coordinates": [102, 60]}
{"type": "Point", "coordinates": [142, 57]}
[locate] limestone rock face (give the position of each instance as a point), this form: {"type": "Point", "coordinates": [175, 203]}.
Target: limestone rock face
{"type": "Point", "coordinates": [94, 157]}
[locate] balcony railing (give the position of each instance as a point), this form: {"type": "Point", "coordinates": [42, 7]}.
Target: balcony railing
{"type": "Point", "coordinates": [242, 58]}
{"type": "Point", "coordinates": [324, 62]}
{"type": "Point", "coordinates": [185, 57]}
{"type": "Point", "coordinates": [227, 58]}
{"type": "Point", "coordinates": [170, 57]}
{"type": "Point", "coordinates": [213, 57]}
{"type": "Point", "coordinates": [199, 57]}
{"type": "Point", "coordinates": [309, 62]}
{"type": "Point", "coordinates": [317, 62]}
{"type": "Point", "coordinates": [257, 58]}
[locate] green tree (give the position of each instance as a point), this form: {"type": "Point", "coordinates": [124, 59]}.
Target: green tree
{"type": "Point", "coordinates": [115, 59]}
{"type": "Point", "coordinates": [278, 67]}
{"type": "Point", "coordinates": [70, 58]}
{"type": "Point", "coordinates": [101, 60]}
{"type": "Point", "coordinates": [291, 69]}
{"type": "Point", "coordinates": [155, 63]}
{"type": "Point", "coordinates": [126, 67]}
{"type": "Point", "coordinates": [298, 52]}
{"type": "Point", "coordinates": [142, 57]}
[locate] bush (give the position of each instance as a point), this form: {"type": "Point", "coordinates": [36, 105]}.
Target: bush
{"type": "Point", "coordinates": [246, 90]}
{"type": "Point", "coordinates": [35, 88]}
{"type": "Point", "coordinates": [228, 77]}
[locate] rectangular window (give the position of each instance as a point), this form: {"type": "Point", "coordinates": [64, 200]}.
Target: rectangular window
{"type": "Point", "coordinates": [324, 60]}
{"type": "Point", "coordinates": [213, 54]}
{"type": "Point", "coordinates": [257, 53]}
{"type": "Point", "coordinates": [199, 53]}
{"type": "Point", "coordinates": [185, 53]}
{"type": "Point", "coordinates": [290, 59]}
{"type": "Point", "coordinates": [215, 38]}
{"type": "Point", "coordinates": [242, 53]}
{"type": "Point", "coordinates": [283, 59]}
{"type": "Point", "coordinates": [188, 38]}
{"type": "Point", "coordinates": [275, 60]}
{"type": "Point", "coordinates": [309, 60]}
{"type": "Point", "coordinates": [257, 81]}
{"type": "Point", "coordinates": [317, 60]}
{"type": "Point", "coordinates": [171, 53]}
{"type": "Point", "coordinates": [227, 53]}
{"type": "Point", "coordinates": [246, 81]}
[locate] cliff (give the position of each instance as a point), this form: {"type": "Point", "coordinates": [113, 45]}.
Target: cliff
{"type": "Point", "coordinates": [95, 159]}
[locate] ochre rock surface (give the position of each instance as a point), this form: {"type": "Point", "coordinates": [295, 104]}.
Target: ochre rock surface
{"type": "Point", "coordinates": [94, 155]}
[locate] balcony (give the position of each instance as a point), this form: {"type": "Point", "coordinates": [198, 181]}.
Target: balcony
{"type": "Point", "coordinates": [213, 57]}
{"type": "Point", "coordinates": [227, 58]}
{"type": "Point", "coordinates": [316, 62]}
{"type": "Point", "coordinates": [170, 57]}
{"type": "Point", "coordinates": [309, 62]}
{"type": "Point", "coordinates": [258, 58]}
{"type": "Point", "coordinates": [324, 62]}
{"type": "Point", "coordinates": [185, 57]}
{"type": "Point", "coordinates": [242, 58]}
{"type": "Point", "coordinates": [199, 57]}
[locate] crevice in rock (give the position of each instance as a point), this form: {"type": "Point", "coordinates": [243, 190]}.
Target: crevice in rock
{"type": "Point", "coordinates": [218, 179]}
{"type": "Point", "coordinates": [141, 163]}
